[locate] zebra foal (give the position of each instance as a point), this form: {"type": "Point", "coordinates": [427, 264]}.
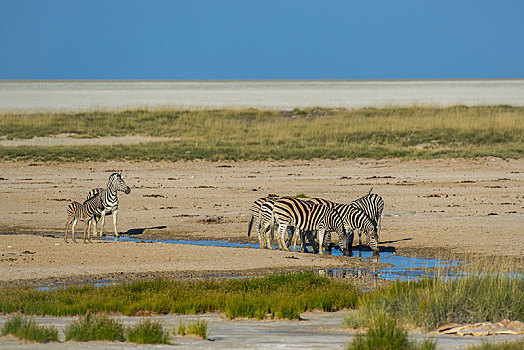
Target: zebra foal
{"type": "Point", "coordinates": [85, 212]}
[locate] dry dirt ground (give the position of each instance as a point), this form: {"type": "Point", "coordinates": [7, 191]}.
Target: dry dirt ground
{"type": "Point", "coordinates": [442, 208]}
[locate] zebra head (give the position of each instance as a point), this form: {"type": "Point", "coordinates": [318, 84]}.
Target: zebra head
{"type": "Point", "coordinates": [372, 236]}
{"type": "Point", "coordinates": [116, 183]}
{"type": "Point", "coordinates": [343, 237]}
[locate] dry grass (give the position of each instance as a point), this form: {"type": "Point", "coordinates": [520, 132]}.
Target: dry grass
{"type": "Point", "coordinates": [412, 132]}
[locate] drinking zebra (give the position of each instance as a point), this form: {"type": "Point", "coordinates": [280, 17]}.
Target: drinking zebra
{"type": "Point", "coordinates": [373, 205]}
{"type": "Point", "coordinates": [307, 217]}
{"type": "Point", "coordinates": [109, 199]}
{"type": "Point", "coordinates": [87, 211]}
{"type": "Point", "coordinates": [352, 218]}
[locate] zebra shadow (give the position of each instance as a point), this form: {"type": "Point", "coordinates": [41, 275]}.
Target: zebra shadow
{"type": "Point", "coordinates": [395, 241]}
{"type": "Point", "coordinates": [381, 248]}
{"type": "Point", "coordinates": [139, 231]}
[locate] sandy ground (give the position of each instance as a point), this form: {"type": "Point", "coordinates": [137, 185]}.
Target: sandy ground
{"type": "Point", "coordinates": [437, 208]}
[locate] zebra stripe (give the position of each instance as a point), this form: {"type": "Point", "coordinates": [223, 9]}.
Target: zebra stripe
{"type": "Point", "coordinates": [304, 216]}
{"type": "Point", "coordinates": [84, 212]}
{"type": "Point", "coordinates": [109, 199]}
{"type": "Point", "coordinates": [353, 218]}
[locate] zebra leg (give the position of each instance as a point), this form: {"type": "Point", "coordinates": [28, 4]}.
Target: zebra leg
{"type": "Point", "coordinates": [311, 238]}
{"type": "Point", "coordinates": [294, 239]}
{"type": "Point", "coordinates": [321, 233]}
{"type": "Point", "coordinates": [69, 220]}
{"type": "Point", "coordinates": [114, 222]}
{"type": "Point", "coordinates": [351, 236]}
{"type": "Point", "coordinates": [103, 219]}
{"type": "Point", "coordinates": [261, 238]}
{"type": "Point", "coordinates": [87, 223]}
{"type": "Point", "coordinates": [303, 234]}
{"type": "Point", "coordinates": [265, 236]}
{"type": "Point", "coordinates": [75, 220]}
{"type": "Point", "coordinates": [281, 233]}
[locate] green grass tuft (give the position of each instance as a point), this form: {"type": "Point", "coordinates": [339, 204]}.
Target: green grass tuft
{"type": "Point", "coordinates": [387, 334]}
{"type": "Point", "coordinates": [23, 328]}
{"type": "Point", "coordinates": [147, 332]}
{"type": "Point", "coordinates": [99, 327]}
{"type": "Point", "coordinates": [198, 328]}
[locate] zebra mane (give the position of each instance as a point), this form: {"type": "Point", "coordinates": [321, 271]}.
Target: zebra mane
{"type": "Point", "coordinates": [94, 192]}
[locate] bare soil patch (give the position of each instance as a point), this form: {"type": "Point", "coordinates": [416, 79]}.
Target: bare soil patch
{"type": "Point", "coordinates": [439, 208]}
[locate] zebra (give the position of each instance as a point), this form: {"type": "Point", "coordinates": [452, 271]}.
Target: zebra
{"type": "Point", "coordinates": [304, 216]}
{"type": "Point", "coordinates": [264, 222]}
{"type": "Point", "coordinates": [109, 199]}
{"type": "Point", "coordinates": [86, 212]}
{"type": "Point", "coordinates": [373, 205]}
{"type": "Point", "coordinates": [353, 218]}
{"type": "Point", "coordinates": [255, 213]}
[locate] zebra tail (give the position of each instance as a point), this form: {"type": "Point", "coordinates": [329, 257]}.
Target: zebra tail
{"type": "Point", "coordinates": [272, 235]}
{"type": "Point", "coordinates": [250, 225]}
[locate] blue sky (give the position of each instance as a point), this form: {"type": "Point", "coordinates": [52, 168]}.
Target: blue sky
{"type": "Point", "coordinates": [395, 39]}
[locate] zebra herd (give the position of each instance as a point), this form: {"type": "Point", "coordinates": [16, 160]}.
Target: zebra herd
{"type": "Point", "coordinates": [301, 218]}
{"type": "Point", "coordinates": [99, 203]}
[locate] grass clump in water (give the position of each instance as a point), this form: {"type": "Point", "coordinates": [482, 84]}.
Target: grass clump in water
{"type": "Point", "coordinates": [385, 333]}
{"type": "Point", "coordinates": [23, 328]}
{"type": "Point", "coordinates": [99, 327]}
{"type": "Point", "coordinates": [147, 332]}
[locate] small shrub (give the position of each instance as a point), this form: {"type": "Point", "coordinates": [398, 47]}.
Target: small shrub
{"type": "Point", "coordinates": [198, 328]}
{"type": "Point", "coordinates": [99, 327]}
{"type": "Point", "coordinates": [386, 333]}
{"type": "Point", "coordinates": [301, 195]}
{"type": "Point", "coordinates": [147, 332]}
{"type": "Point", "coordinates": [23, 328]}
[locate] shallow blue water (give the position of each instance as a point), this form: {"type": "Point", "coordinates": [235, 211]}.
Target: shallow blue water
{"type": "Point", "coordinates": [402, 268]}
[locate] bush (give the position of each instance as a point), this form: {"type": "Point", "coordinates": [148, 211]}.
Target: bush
{"type": "Point", "coordinates": [147, 332]}
{"type": "Point", "coordinates": [23, 328]}
{"type": "Point", "coordinates": [387, 334]}
{"type": "Point", "coordinates": [99, 327]}
{"type": "Point", "coordinates": [198, 328]}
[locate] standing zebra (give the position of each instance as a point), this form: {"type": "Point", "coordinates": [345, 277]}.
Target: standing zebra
{"type": "Point", "coordinates": [264, 222]}
{"type": "Point", "coordinates": [353, 218]}
{"type": "Point", "coordinates": [86, 212]}
{"type": "Point", "coordinates": [373, 205]}
{"type": "Point", "coordinates": [255, 213]}
{"type": "Point", "coordinates": [109, 198]}
{"type": "Point", "coordinates": [304, 216]}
